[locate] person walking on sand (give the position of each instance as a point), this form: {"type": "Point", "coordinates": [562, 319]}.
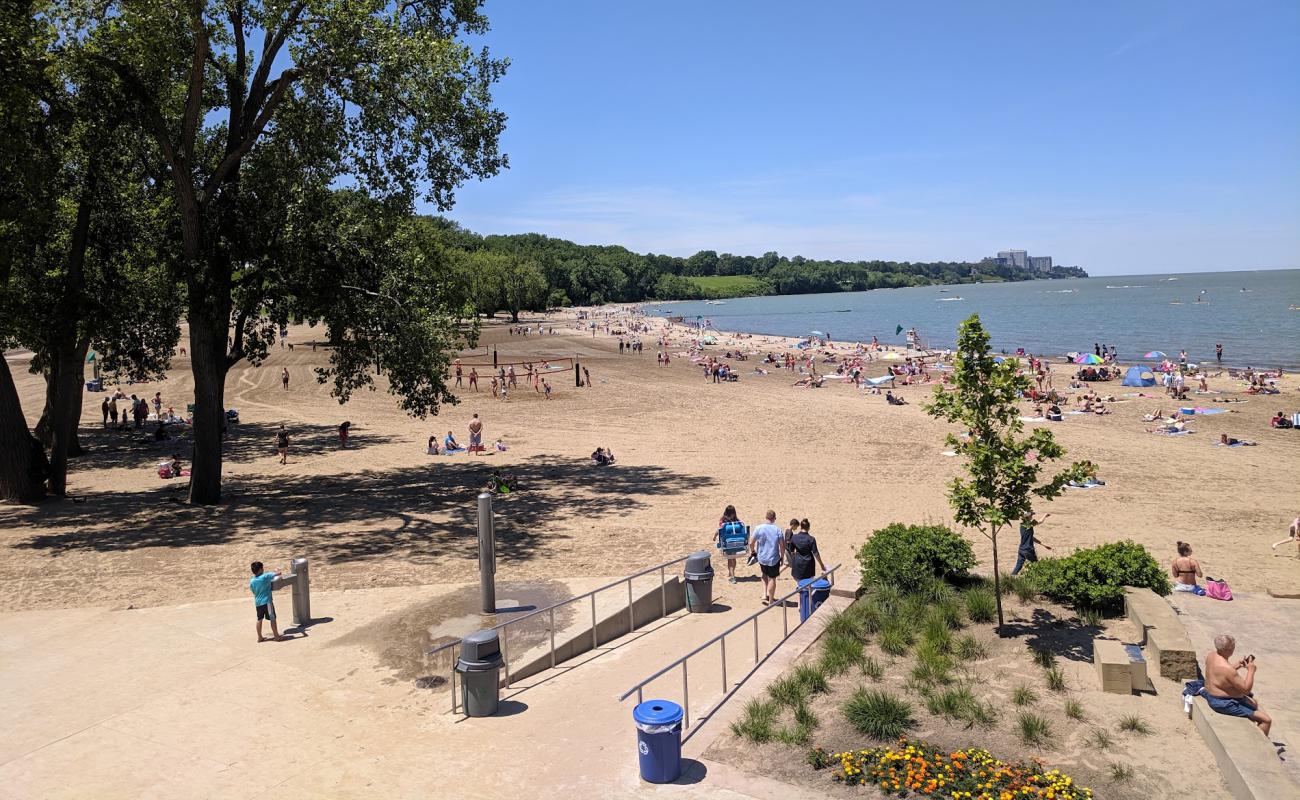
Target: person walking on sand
{"type": "Point", "coordinates": [284, 378]}
{"type": "Point", "coordinates": [475, 434]}
{"type": "Point", "coordinates": [473, 378]}
{"type": "Point", "coordinates": [1026, 552]}
{"type": "Point", "coordinates": [767, 545]}
{"type": "Point", "coordinates": [546, 385]}
{"type": "Point", "coordinates": [732, 538]}
{"type": "Point", "coordinates": [459, 372]}
{"type": "Point", "coordinates": [801, 548]}
{"type": "Point", "coordinates": [282, 444]}
{"type": "Point", "coordinates": [586, 377]}
{"type": "Point", "coordinates": [260, 585]}
{"type": "Point", "coordinates": [1218, 353]}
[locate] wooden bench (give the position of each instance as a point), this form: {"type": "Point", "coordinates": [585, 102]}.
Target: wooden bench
{"type": "Point", "coordinates": [1163, 636]}
{"type": "Point", "coordinates": [1245, 756]}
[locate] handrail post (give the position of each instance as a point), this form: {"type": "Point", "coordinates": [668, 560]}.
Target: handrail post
{"type": "Point", "coordinates": [594, 643]}
{"type": "Point", "coordinates": [505, 652]}
{"type": "Point", "coordinates": [552, 637]}
{"type": "Point", "coordinates": [785, 621]}
{"type": "Point", "coordinates": [663, 592]}
{"type": "Point", "coordinates": [755, 640]}
{"type": "Point", "coordinates": [686, 696]}
{"type": "Point", "coordinates": [453, 681]}
{"type": "Point", "coordinates": [723, 642]}
{"type": "Point", "coordinates": [631, 616]}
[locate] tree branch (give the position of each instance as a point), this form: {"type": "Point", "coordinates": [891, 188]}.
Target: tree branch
{"type": "Point", "coordinates": [279, 87]}
{"type": "Point", "coordinates": [235, 82]}
{"type": "Point", "coordinates": [270, 49]}
{"type": "Point", "coordinates": [194, 98]}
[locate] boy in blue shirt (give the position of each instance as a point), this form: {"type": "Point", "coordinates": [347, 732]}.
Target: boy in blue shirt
{"type": "Point", "coordinates": [260, 585]}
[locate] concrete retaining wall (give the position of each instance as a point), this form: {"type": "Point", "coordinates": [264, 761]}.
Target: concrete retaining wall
{"type": "Point", "coordinates": [1246, 758]}
{"type": "Point", "coordinates": [646, 608]}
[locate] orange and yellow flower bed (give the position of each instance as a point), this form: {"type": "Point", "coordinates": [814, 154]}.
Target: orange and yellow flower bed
{"type": "Point", "coordinates": [917, 769]}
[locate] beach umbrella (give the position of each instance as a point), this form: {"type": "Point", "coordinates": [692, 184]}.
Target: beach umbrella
{"type": "Point", "coordinates": [817, 333]}
{"type": "Point", "coordinates": [1154, 354]}
{"type": "Point", "coordinates": [1087, 358]}
{"type": "Point", "coordinates": [891, 356]}
{"type": "Point", "coordinates": [709, 340]}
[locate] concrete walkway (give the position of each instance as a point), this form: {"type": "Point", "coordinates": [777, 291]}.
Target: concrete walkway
{"type": "Point", "coordinates": [182, 702]}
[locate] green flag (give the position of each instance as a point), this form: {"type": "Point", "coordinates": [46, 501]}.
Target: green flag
{"type": "Point", "coordinates": [90, 357]}
{"type": "Point", "coordinates": [898, 330]}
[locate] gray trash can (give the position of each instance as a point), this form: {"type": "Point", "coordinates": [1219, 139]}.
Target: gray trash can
{"type": "Point", "coordinates": [479, 666]}
{"type": "Point", "coordinates": [699, 582]}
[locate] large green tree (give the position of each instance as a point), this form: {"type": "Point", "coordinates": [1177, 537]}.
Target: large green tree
{"type": "Point", "coordinates": [1003, 466]}
{"type": "Point", "coordinates": [387, 94]}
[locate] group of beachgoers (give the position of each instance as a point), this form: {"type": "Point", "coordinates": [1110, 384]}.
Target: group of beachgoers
{"type": "Point", "coordinates": [451, 447]}
{"type": "Point", "coordinates": [770, 547]}
{"type": "Point", "coordinates": [504, 378]}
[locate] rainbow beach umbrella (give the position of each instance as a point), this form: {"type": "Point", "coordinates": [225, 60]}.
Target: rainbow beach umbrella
{"type": "Point", "coordinates": [1154, 354]}
{"type": "Point", "coordinates": [1087, 358]}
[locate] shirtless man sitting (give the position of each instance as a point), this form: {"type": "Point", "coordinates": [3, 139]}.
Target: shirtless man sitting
{"type": "Point", "coordinates": [1225, 690]}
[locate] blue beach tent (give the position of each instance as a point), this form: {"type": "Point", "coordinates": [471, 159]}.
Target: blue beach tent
{"type": "Point", "coordinates": [1139, 376]}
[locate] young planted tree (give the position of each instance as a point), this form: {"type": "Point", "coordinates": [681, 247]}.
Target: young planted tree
{"type": "Point", "coordinates": [1003, 466]}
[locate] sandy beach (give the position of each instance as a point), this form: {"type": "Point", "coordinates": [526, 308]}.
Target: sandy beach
{"type": "Point", "coordinates": [384, 513]}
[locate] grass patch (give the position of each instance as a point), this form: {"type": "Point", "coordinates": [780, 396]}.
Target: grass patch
{"type": "Point", "coordinates": [812, 678]}
{"type": "Point", "coordinates": [1089, 617]}
{"type": "Point", "coordinates": [804, 716]}
{"type": "Point", "coordinates": [1120, 773]}
{"type": "Point", "coordinates": [1043, 657]}
{"type": "Point", "coordinates": [787, 691]}
{"type": "Point", "coordinates": [936, 591]}
{"type": "Point", "coordinates": [1134, 724]}
{"type": "Point", "coordinates": [839, 652]}
{"type": "Point", "coordinates": [981, 604]}
{"type": "Point", "coordinates": [951, 704]}
{"type": "Point", "coordinates": [871, 616]}
{"type": "Point", "coordinates": [1025, 591]}
{"type": "Point", "coordinates": [758, 722]}
{"type": "Point", "coordinates": [796, 735]}
{"type": "Point", "coordinates": [1100, 739]}
{"type": "Point", "coordinates": [935, 631]}
{"type": "Point", "coordinates": [950, 609]}
{"type": "Point", "coordinates": [1032, 728]}
{"type": "Point", "coordinates": [887, 598]}
{"type": "Point", "coordinates": [968, 648]}
{"type": "Point", "coordinates": [879, 714]}
{"type": "Point", "coordinates": [1023, 696]}
{"type": "Point", "coordinates": [846, 625]}
{"type": "Point", "coordinates": [1055, 679]}
{"type": "Point", "coordinates": [872, 668]}
{"type": "Point", "coordinates": [1074, 709]}
{"type": "Point", "coordinates": [895, 639]}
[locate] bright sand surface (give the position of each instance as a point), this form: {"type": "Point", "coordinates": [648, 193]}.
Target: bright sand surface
{"type": "Point", "coordinates": [384, 513]}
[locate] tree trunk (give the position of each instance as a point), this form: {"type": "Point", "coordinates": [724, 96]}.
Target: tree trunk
{"type": "Point", "coordinates": [19, 482]}
{"type": "Point", "coordinates": [208, 328]}
{"type": "Point", "coordinates": [66, 416]}
{"type": "Point", "coordinates": [44, 430]}
{"type": "Point", "coordinates": [997, 581]}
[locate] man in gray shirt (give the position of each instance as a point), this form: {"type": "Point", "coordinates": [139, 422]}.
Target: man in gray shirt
{"type": "Point", "coordinates": [766, 542]}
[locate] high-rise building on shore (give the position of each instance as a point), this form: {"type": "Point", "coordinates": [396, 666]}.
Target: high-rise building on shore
{"type": "Point", "coordinates": [1021, 259]}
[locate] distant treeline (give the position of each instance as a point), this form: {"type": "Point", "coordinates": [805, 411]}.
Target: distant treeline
{"type": "Point", "coordinates": [593, 274]}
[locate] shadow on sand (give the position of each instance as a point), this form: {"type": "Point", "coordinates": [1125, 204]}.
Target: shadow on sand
{"type": "Point", "coordinates": [389, 510]}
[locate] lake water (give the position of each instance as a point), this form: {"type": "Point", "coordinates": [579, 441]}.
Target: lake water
{"type": "Point", "coordinates": [1247, 312]}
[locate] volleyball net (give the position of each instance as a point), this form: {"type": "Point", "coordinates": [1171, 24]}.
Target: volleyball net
{"type": "Point", "coordinates": [557, 364]}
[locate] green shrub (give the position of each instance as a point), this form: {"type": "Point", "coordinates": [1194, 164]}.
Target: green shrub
{"type": "Point", "coordinates": [981, 605]}
{"type": "Point", "coordinates": [879, 714]}
{"type": "Point", "coordinates": [1043, 657]}
{"type": "Point", "coordinates": [1095, 578]}
{"type": "Point", "coordinates": [1089, 617]}
{"type": "Point", "coordinates": [936, 590]}
{"type": "Point", "coordinates": [804, 717]}
{"type": "Point", "coordinates": [870, 615]}
{"type": "Point", "coordinates": [949, 608]}
{"type": "Point", "coordinates": [910, 556]}
{"type": "Point", "coordinates": [887, 597]}
{"type": "Point", "coordinates": [932, 666]}
{"type": "Point", "coordinates": [936, 632]}
{"type": "Point", "coordinates": [955, 703]}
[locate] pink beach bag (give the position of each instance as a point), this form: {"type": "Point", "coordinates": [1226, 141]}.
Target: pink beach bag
{"type": "Point", "coordinates": [1218, 590]}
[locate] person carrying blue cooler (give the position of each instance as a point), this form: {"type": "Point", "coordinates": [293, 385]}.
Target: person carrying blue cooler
{"type": "Point", "coordinates": [733, 539]}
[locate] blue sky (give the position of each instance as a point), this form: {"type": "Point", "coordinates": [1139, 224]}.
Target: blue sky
{"type": "Point", "coordinates": [1123, 137]}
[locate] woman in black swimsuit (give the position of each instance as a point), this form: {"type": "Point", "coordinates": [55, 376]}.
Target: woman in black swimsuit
{"type": "Point", "coordinates": [1185, 569]}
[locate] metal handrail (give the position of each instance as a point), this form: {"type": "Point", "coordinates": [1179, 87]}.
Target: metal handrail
{"type": "Point", "coordinates": [722, 638]}
{"type": "Point", "coordinates": [504, 627]}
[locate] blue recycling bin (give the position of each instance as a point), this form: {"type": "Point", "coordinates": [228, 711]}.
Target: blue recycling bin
{"type": "Point", "coordinates": [812, 593]}
{"type": "Point", "coordinates": [659, 740]}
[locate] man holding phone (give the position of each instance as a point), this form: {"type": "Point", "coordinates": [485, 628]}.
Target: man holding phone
{"type": "Point", "coordinates": [1227, 692]}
